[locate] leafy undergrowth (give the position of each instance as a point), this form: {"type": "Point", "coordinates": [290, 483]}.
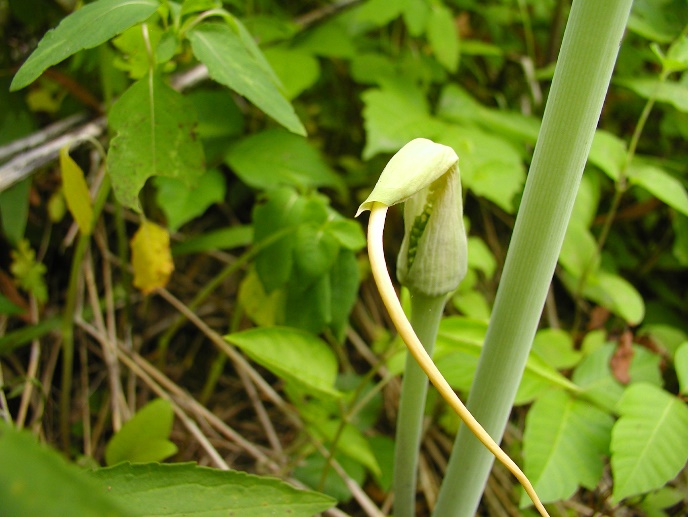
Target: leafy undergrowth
{"type": "Point", "coordinates": [210, 302]}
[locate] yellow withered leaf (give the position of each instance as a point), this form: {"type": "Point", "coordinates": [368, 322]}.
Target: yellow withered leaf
{"type": "Point", "coordinates": [76, 192]}
{"type": "Point", "coordinates": [151, 257]}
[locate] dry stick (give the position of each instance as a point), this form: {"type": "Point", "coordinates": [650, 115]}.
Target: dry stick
{"type": "Point", "coordinates": [361, 497]}
{"type": "Point", "coordinates": [109, 354]}
{"type": "Point", "coordinates": [85, 407]}
{"type": "Point", "coordinates": [389, 298]}
{"type": "Point", "coordinates": [41, 136]}
{"type": "Point", "coordinates": [31, 371]}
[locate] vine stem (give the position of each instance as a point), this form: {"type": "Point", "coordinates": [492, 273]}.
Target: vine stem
{"type": "Point", "coordinates": [378, 266]}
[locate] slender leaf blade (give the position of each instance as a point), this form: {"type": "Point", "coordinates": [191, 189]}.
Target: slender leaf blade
{"type": "Point", "coordinates": [230, 63]}
{"type": "Point", "coordinates": [155, 489]}
{"type": "Point", "coordinates": [88, 27]}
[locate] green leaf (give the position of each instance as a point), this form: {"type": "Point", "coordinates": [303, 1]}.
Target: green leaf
{"type": "Point", "coordinates": [674, 93]}
{"type": "Point", "coordinates": [393, 116]}
{"type": "Point", "coordinates": [23, 336]}
{"type": "Point", "coordinates": [279, 210]}
{"type": "Point", "coordinates": [555, 347]}
{"type": "Point", "coordinates": [14, 210]}
{"type": "Point", "coordinates": [443, 36]}
{"type": "Point", "coordinates": [232, 64]}
{"type": "Point", "coordinates": [649, 446]}
{"type": "Point", "coordinates": [144, 438]}
{"type": "Point", "coordinates": [275, 158]}
{"type": "Point", "coordinates": [294, 355]}
{"type": "Point", "coordinates": [308, 307]}
{"type": "Point", "coordinates": [614, 293]}
{"type": "Point", "coordinates": [480, 257]}
{"type": "Point", "coordinates": [681, 366]}
{"type": "Point", "coordinates": [65, 489]}
{"type": "Point", "coordinates": [222, 239]}
{"type": "Point", "coordinates": [351, 443]}
{"type": "Point", "coordinates": [309, 471]}
{"type": "Point", "coordinates": [344, 283]}
{"type": "Point", "coordinates": [564, 445]}
{"type": "Point", "coordinates": [296, 69]}
{"type": "Point", "coordinates": [348, 233]}
{"type": "Point", "coordinates": [181, 204]}
{"type": "Point", "coordinates": [29, 273]}
{"type": "Point", "coordinates": [314, 253]}
{"type": "Point", "coordinates": [186, 489]}
{"type": "Point", "coordinates": [579, 250]}
{"type": "Point", "coordinates": [76, 192]}
{"type": "Point", "coordinates": [8, 308]}
{"type": "Point", "coordinates": [458, 346]}
{"type": "Point", "coordinates": [595, 377]}
{"type": "Point", "coordinates": [608, 153]}
{"type": "Point", "coordinates": [490, 165]}
{"type": "Point", "coordinates": [660, 184]}
{"type": "Point", "coordinates": [87, 27]}
{"type": "Point", "coordinates": [155, 128]}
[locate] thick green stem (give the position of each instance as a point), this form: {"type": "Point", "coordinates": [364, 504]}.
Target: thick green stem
{"type": "Point", "coordinates": [426, 313]}
{"type": "Point", "coordinates": [581, 79]}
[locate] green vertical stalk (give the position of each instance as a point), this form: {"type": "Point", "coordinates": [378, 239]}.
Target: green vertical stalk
{"type": "Point", "coordinates": [426, 312]}
{"type": "Point", "coordinates": [589, 50]}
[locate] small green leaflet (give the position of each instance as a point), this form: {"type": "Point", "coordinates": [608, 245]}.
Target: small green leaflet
{"type": "Point", "coordinates": [156, 136]}
{"type": "Point", "coordinates": [87, 27]}
{"type": "Point", "coordinates": [230, 63]}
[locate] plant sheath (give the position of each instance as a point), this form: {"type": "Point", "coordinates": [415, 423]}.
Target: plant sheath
{"type": "Point", "coordinates": [589, 50]}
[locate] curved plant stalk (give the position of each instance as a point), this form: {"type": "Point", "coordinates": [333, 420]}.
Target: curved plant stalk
{"type": "Point", "coordinates": [378, 265]}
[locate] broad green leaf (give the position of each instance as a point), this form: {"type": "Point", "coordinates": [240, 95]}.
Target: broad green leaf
{"type": "Point", "coordinates": [88, 27]}
{"type": "Point", "coordinates": [608, 152]}
{"type": "Point", "coordinates": [155, 128]}
{"type": "Point", "coordinates": [218, 114]}
{"type": "Point", "coordinates": [275, 158]}
{"type": "Point", "coordinates": [65, 489]}
{"type": "Point", "coordinates": [674, 93]}
{"type": "Point", "coordinates": [14, 210]}
{"type": "Point", "coordinates": [443, 36]}
{"type": "Point", "coordinates": [344, 283]}
{"type": "Point", "coordinates": [480, 257]}
{"type": "Point", "coordinates": [155, 489]}
{"type": "Point", "coordinates": [680, 247]}
{"type": "Point", "coordinates": [393, 116]}
{"type": "Point", "coordinates": [587, 200]}
{"type": "Point", "coordinates": [133, 49]}
{"type": "Point", "coordinates": [614, 293]}
{"type": "Point", "coordinates": [151, 257]}
{"type": "Point", "coordinates": [579, 250]}
{"type": "Point", "coordinates": [377, 12]}
{"type": "Point", "coordinates": [555, 347]}
{"type": "Point", "coordinates": [279, 211]}
{"type": "Point", "coordinates": [658, 20]}
{"type": "Point", "coordinates": [264, 309]}
{"type": "Point", "coordinates": [222, 239]}
{"type": "Point", "coordinates": [232, 64]}
{"type": "Point", "coordinates": [308, 307]}
{"type": "Point", "coordinates": [328, 39]}
{"type": "Point", "coordinates": [145, 437]}
{"type": "Point", "coordinates": [649, 446]}
{"type": "Point", "coordinates": [314, 253]}
{"type": "Point", "coordinates": [681, 366]}
{"type": "Point", "coordinates": [655, 503]}
{"type": "Point", "coordinates": [564, 445]}
{"type": "Point", "coordinates": [294, 355]}
{"type": "Point", "coordinates": [667, 336]}
{"type": "Point", "coordinates": [351, 443]}
{"type": "Point", "coordinates": [660, 184]}
{"type": "Point", "coordinates": [76, 192]}
{"type": "Point", "coordinates": [296, 69]}
{"type": "Point", "coordinates": [457, 105]}
{"type": "Point", "coordinates": [490, 165]}
{"type": "Point", "coordinates": [181, 204]}
{"type": "Point", "coordinates": [310, 470]}
{"type": "Point", "coordinates": [458, 346]}
{"type": "Point", "coordinates": [348, 233]}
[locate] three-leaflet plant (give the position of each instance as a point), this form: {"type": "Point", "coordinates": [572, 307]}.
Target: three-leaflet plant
{"type": "Point", "coordinates": [432, 262]}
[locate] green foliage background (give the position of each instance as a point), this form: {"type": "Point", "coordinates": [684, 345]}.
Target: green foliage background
{"type": "Point", "coordinates": [261, 127]}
